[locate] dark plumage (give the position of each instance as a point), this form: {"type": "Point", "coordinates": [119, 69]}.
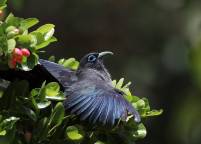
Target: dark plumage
{"type": "Point", "coordinates": [89, 91]}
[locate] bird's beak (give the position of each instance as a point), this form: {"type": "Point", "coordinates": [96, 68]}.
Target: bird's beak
{"type": "Point", "coordinates": [101, 54]}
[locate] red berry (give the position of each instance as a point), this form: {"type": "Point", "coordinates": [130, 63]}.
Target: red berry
{"type": "Point", "coordinates": [12, 64]}
{"type": "Point", "coordinates": [18, 59]}
{"type": "Point", "coordinates": [17, 52]}
{"type": "Point", "coordinates": [17, 55]}
{"type": "Point", "coordinates": [25, 52]}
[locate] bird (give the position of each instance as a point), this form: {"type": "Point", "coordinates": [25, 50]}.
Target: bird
{"type": "Point", "coordinates": [89, 91]}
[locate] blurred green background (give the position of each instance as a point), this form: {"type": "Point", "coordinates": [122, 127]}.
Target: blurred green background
{"type": "Point", "coordinates": [157, 45]}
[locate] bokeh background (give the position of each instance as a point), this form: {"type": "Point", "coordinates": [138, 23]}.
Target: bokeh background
{"type": "Point", "coordinates": [157, 46]}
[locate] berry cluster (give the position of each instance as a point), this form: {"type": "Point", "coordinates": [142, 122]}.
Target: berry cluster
{"type": "Point", "coordinates": [17, 56]}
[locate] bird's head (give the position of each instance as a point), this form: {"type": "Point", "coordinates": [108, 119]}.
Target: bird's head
{"type": "Point", "coordinates": [94, 60]}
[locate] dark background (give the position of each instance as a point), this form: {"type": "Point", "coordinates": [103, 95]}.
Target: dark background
{"type": "Point", "coordinates": [156, 45]}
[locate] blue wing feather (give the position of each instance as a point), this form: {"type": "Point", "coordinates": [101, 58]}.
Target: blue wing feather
{"type": "Point", "coordinates": [98, 102]}
{"type": "Point", "coordinates": [112, 111]}
{"type": "Point", "coordinates": [63, 75]}
{"type": "Point", "coordinates": [85, 106]}
{"type": "Point", "coordinates": [80, 105]}
{"type": "Point", "coordinates": [107, 113]}
{"type": "Point", "coordinates": [94, 114]}
{"type": "Point", "coordinates": [88, 111]}
{"type": "Point", "coordinates": [103, 110]}
{"type": "Point", "coordinates": [71, 101]}
{"type": "Point", "coordinates": [97, 115]}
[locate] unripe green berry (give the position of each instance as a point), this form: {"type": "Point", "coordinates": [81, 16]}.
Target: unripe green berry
{"type": "Point", "coordinates": [13, 33]}
{"type": "Point", "coordinates": [10, 28]}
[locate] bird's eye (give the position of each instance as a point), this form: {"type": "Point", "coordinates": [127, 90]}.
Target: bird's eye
{"type": "Point", "coordinates": [91, 58]}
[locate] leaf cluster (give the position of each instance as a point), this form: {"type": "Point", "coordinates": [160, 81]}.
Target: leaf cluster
{"type": "Point", "coordinates": [38, 116]}
{"type": "Point", "coordinates": [15, 33]}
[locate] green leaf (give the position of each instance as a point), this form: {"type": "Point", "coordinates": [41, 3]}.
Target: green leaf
{"type": "Point", "coordinates": [153, 113]}
{"type": "Point", "coordinates": [44, 104]}
{"type": "Point", "coordinates": [27, 23]}
{"type": "Point", "coordinates": [11, 45]}
{"type": "Point", "coordinates": [52, 89]}
{"type": "Point", "coordinates": [114, 83]}
{"type": "Point", "coordinates": [41, 93]}
{"type": "Point", "coordinates": [49, 34]}
{"type": "Point", "coordinates": [38, 38]}
{"type": "Point", "coordinates": [59, 97]}
{"type": "Point", "coordinates": [99, 142]}
{"type": "Point", "coordinates": [9, 137]}
{"type": "Point", "coordinates": [25, 40]}
{"type": "Point", "coordinates": [3, 4]}
{"type": "Point", "coordinates": [140, 132]}
{"type": "Point", "coordinates": [57, 114]}
{"type": "Point", "coordinates": [45, 43]}
{"type": "Point", "coordinates": [9, 17]}
{"type": "Point", "coordinates": [147, 106]}
{"type": "Point", "coordinates": [135, 99]}
{"type": "Point", "coordinates": [69, 63]}
{"type": "Point", "coordinates": [35, 92]}
{"type": "Point", "coordinates": [45, 28]}
{"type": "Point", "coordinates": [8, 123]}
{"type": "Point", "coordinates": [61, 61]}
{"type": "Point", "coordinates": [29, 112]}
{"type": "Point", "coordinates": [3, 7]}
{"type": "Point", "coordinates": [120, 83]}
{"type": "Point", "coordinates": [140, 104]}
{"type": "Point", "coordinates": [11, 20]}
{"type": "Point", "coordinates": [3, 132]}
{"type": "Point", "coordinates": [3, 44]}
{"type": "Point", "coordinates": [32, 61]}
{"type": "Point", "coordinates": [41, 130]}
{"type": "Point", "coordinates": [129, 98]}
{"type": "Point", "coordinates": [72, 133]}
{"type": "Point", "coordinates": [52, 58]}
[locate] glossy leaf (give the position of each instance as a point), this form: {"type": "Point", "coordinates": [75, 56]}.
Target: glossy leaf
{"type": "Point", "coordinates": [120, 83]}
{"type": "Point", "coordinates": [45, 43]}
{"type": "Point", "coordinates": [27, 23]}
{"type": "Point", "coordinates": [153, 113]}
{"type": "Point", "coordinates": [11, 45]}
{"type": "Point", "coordinates": [57, 114]}
{"type": "Point", "coordinates": [71, 63]}
{"type": "Point", "coordinates": [52, 89]}
{"type": "Point", "coordinates": [45, 28]}
{"type": "Point", "coordinates": [141, 131]}
{"type": "Point", "coordinates": [72, 133]}
{"type": "Point", "coordinates": [43, 104]}
{"type": "Point", "coordinates": [99, 142]}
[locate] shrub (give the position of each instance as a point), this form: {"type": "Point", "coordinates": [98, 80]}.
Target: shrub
{"type": "Point", "coordinates": [36, 114]}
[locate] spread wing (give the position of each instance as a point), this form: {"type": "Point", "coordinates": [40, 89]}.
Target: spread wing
{"type": "Point", "coordinates": [98, 103]}
{"type": "Point", "coordinates": [63, 75]}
